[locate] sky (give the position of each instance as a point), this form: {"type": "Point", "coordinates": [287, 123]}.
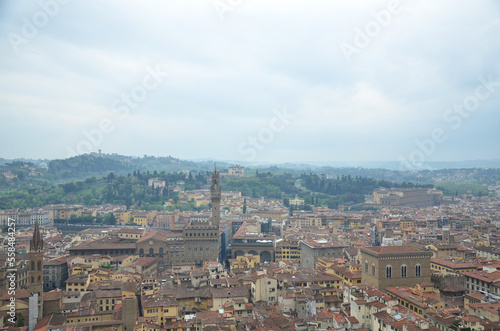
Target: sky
{"type": "Point", "coordinates": [263, 81]}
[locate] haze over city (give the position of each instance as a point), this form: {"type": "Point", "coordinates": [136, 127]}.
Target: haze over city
{"type": "Point", "coordinates": [273, 81]}
{"type": "Point", "coordinates": [239, 165]}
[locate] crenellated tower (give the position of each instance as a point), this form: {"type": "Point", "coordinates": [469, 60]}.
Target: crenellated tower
{"type": "Point", "coordinates": [215, 193]}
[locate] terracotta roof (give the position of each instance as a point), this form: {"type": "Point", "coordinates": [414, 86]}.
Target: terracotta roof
{"type": "Point", "coordinates": [52, 295]}
{"type": "Point", "coordinates": [454, 264]}
{"type": "Point", "coordinates": [483, 275]}
{"type": "Point", "coordinates": [453, 288]}
{"type": "Point", "coordinates": [392, 249]}
{"type": "Point", "coordinates": [160, 235]}
{"type": "Point", "coordinates": [55, 262]}
{"type": "Point", "coordinates": [323, 244]}
{"type": "Point", "coordinates": [110, 243]}
{"type": "Point", "coordinates": [229, 292]}
{"type": "Point", "coordinates": [52, 320]}
{"type": "Point", "coordinates": [157, 301]}
{"type": "Point", "coordinates": [145, 261]}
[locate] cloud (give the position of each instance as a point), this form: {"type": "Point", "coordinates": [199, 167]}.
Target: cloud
{"type": "Point", "coordinates": [226, 77]}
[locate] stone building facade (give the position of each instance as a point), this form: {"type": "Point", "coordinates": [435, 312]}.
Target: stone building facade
{"type": "Point", "coordinates": [55, 274]}
{"type": "Point", "coordinates": [201, 243]}
{"type": "Point", "coordinates": [390, 266]}
{"type": "Point", "coordinates": [408, 197]}
{"type": "Point", "coordinates": [311, 250]}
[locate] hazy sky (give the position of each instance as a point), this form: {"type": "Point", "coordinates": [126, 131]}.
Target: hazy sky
{"type": "Point", "coordinates": [271, 80]}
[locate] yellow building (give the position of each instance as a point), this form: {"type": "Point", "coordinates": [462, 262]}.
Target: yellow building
{"type": "Point", "coordinates": [288, 250]}
{"type": "Point", "coordinates": [77, 283]}
{"type": "Point", "coordinates": [452, 251]}
{"type": "Point", "coordinates": [379, 194]}
{"type": "Point", "coordinates": [66, 212]}
{"type": "Point", "coordinates": [281, 215]}
{"type": "Point", "coordinates": [106, 300]}
{"type": "Point", "coordinates": [472, 297]}
{"type": "Point", "coordinates": [350, 275]}
{"type": "Point", "coordinates": [99, 320]}
{"type": "Point", "coordinates": [406, 224]}
{"type": "Point", "coordinates": [81, 270]}
{"type": "Point", "coordinates": [198, 199]}
{"type": "Point", "coordinates": [164, 308]}
{"type": "Point", "coordinates": [247, 261]}
{"type": "Point", "coordinates": [99, 275]}
{"type": "Point", "coordinates": [263, 288]}
{"type": "Point", "coordinates": [450, 266]}
{"type": "Point", "coordinates": [131, 233]}
{"type": "Point", "coordinates": [355, 224]}
{"type": "Point", "coordinates": [421, 299]}
{"type": "Point", "coordinates": [139, 218]}
{"type": "Point", "coordinates": [123, 216]}
{"type": "Point", "coordinates": [306, 220]}
{"type": "Point", "coordinates": [84, 265]}
{"type": "Point", "coordinates": [296, 201]}
{"type": "Point", "coordinates": [325, 262]}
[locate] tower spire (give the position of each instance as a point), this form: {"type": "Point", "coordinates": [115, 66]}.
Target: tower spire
{"type": "Point", "coordinates": [36, 243]}
{"type": "Point", "coordinates": [35, 272]}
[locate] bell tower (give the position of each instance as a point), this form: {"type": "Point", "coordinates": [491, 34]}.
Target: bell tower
{"type": "Point", "coordinates": [35, 273]}
{"type": "Point", "coordinates": [215, 193]}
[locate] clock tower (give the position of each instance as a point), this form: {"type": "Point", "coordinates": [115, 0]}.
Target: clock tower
{"type": "Point", "coordinates": [215, 193]}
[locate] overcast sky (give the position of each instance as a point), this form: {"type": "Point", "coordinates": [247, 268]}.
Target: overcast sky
{"type": "Point", "coordinates": [251, 80]}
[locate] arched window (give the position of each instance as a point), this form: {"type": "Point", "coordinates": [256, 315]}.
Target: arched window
{"type": "Point", "coordinates": [161, 251]}
{"type": "Point", "coordinates": [417, 270]}
{"type": "Point", "coordinates": [151, 251]}
{"type": "Point", "coordinates": [366, 266]}
{"type": "Point", "coordinates": [403, 270]}
{"type": "Point", "coordinates": [388, 272]}
{"type": "Point", "coordinates": [373, 269]}
{"type": "Point", "coordinates": [141, 252]}
{"type": "Point", "coordinates": [39, 265]}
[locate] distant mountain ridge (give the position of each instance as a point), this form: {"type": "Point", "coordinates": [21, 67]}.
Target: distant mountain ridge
{"type": "Point", "coordinates": [94, 164]}
{"type": "Point", "coordinates": [389, 165]}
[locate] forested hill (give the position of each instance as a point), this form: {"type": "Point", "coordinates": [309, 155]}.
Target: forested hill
{"type": "Point", "coordinates": [87, 165]}
{"type": "Point", "coordinates": [133, 191]}
{"type": "Point", "coordinates": [315, 189]}
{"type": "Point", "coordinates": [25, 185]}
{"type": "Point", "coordinates": [83, 166]}
{"type": "Point", "coordinates": [87, 179]}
